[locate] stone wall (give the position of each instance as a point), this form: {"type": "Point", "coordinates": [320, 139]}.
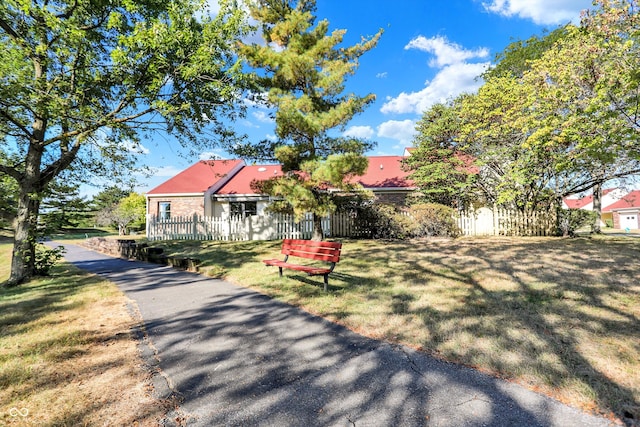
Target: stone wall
{"type": "Point", "coordinates": [141, 251]}
{"type": "Point", "coordinates": [180, 206]}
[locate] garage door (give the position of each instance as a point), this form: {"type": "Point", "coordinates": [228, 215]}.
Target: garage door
{"type": "Point", "coordinates": [629, 221]}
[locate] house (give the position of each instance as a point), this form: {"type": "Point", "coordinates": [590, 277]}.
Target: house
{"type": "Point", "coordinates": [190, 191]}
{"type": "Point", "coordinates": [585, 202]}
{"type": "Point", "coordinates": [222, 188]}
{"type": "Point", "coordinates": [626, 211]}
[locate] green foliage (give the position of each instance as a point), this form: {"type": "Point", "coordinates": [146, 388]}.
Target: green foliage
{"type": "Point", "coordinates": [557, 117]}
{"type": "Point", "coordinates": [46, 258]}
{"type": "Point", "coordinates": [302, 68]}
{"type": "Point", "coordinates": [516, 58]}
{"type": "Point", "coordinates": [127, 214]}
{"type": "Point", "coordinates": [571, 220]}
{"type": "Point", "coordinates": [433, 219]}
{"type": "Point", "coordinates": [62, 207]}
{"type": "Point", "coordinates": [134, 206]}
{"type": "Point", "coordinates": [438, 163]}
{"type": "Point", "coordinates": [8, 200]}
{"type": "Point", "coordinates": [108, 197]}
{"type": "Point", "coordinates": [384, 221]}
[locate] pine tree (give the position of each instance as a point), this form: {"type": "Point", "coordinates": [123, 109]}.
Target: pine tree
{"type": "Point", "coordinates": [62, 207]}
{"type": "Point", "coordinates": [303, 68]}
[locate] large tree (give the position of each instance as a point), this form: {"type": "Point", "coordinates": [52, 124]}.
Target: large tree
{"type": "Point", "coordinates": [302, 67]}
{"type": "Point", "coordinates": [80, 80]}
{"type": "Point", "coordinates": [586, 90]}
{"type": "Point", "coordinates": [565, 120]}
{"type": "Point", "coordinates": [439, 165]}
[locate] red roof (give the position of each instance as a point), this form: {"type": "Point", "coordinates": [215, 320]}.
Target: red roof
{"type": "Point", "coordinates": [198, 178]}
{"type": "Point", "coordinates": [385, 172]}
{"type": "Point", "coordinates": [241, 182]}
{"type": "Point", "coordinates": [630, 201]}
{"type": "Point", "coordinates": [578, 203]}
{"type": "Point", "coordinates": [583, 201]}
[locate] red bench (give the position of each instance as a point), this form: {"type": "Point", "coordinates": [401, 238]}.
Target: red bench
{"type": "Point", "coordinates": [309, 249]}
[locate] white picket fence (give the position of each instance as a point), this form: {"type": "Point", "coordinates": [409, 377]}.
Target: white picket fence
{"type": "Point", "coordinates": [264, 227]}
{"type": "Point", "coordinates": [480, 222]}
{"type": "Point", "coordinates": [505, 222]}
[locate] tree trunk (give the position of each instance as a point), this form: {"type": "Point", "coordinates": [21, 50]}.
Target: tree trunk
{"type": "Point", "coordinates": [24, 247]}
{"type": "Point", "coordinates": [597, 208]}
{"type": "Point", "coordinates": [31, 187]}
{"type": "Point", "coordinates": [318, 234]}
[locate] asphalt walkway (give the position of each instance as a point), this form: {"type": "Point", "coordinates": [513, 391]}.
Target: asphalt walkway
{"type": "Point", "coordinates": [238, 358]}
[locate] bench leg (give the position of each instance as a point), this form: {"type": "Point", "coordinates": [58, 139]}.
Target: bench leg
{"type": "Point", "coordinates": [280, 268]}
{"type": "Point", "coordinates": [326, 282]}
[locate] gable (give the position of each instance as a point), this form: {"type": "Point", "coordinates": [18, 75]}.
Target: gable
{"type": "Point", "coordinates": [241, 182]}
{"type": "Point", "coordinates": [199, 177]}
{"type": "Point", "coordinates": [630, 201]}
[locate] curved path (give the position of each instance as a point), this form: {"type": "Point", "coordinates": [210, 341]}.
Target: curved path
{"type": "Point", "coordinates": [236, 357]}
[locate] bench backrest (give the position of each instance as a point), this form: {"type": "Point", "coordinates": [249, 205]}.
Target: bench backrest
{"type": "Point", "coordinates": [312, 249]}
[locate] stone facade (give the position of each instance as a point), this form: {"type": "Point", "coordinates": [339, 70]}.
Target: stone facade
{"type": "Point", "coordinates": [180, 206]}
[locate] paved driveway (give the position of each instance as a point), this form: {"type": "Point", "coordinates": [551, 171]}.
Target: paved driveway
{"type": "Point", "coordinates": [238, 358]}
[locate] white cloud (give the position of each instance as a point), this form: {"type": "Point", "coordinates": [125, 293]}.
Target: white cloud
{"type": "Point", "coordinates": [134, 147]}
{"type": "Point", "coordinates": [402, 131]}
{"type": "Point", "coordinates": [165, 171]}
{"type": "Point", "coordinates": [451, 81]}
{"type": "Point", "coordinates": [542, 12]}
{"type": "Point", "coordinates": [262, 116]}
{"type": "Point", "coordinates": [359, 132]}
{"type": "Point", "coordinates": [446, 52]}
{"type": "Point", "coordinates": [382, 75]}
{"type": "Point", "coordinates": [271, 137]}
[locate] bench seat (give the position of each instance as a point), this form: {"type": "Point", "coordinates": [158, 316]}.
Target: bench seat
{"type": "Point", "coordinates": [308, 249]}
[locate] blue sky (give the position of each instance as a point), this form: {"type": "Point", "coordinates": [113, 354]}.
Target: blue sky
{"type": "Point", "coordinates": [431, 50]}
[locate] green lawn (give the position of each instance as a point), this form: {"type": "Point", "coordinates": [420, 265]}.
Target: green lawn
{"type": "Point", "coordinates": [561, 316]}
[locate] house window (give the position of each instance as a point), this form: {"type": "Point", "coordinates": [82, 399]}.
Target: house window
{"type": "Point", "coordinates": [243, 209]}
{"type": "Point", "coordinates": [164, 210]}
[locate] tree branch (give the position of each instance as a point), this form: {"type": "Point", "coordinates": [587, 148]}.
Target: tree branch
{"type": "Point", "coordinates": [16, 123]}
{"type": "Point", "coordinates": [11, 171]}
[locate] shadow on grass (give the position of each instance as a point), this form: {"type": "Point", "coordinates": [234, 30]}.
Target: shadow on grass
{"type": "Point", "coordinates": [557, 293]}
{"type": "Point", "coordinates": [43, 296]}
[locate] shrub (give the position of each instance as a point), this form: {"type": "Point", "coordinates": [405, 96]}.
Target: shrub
{"type": "Point", "coordinates": [46, 258]}
{"type": "Point", "coordinates": [432, 219]}
{"type": "Point", "coordinates": [384, 222]}
{"type": "Point", "coordinates": [572, 219]}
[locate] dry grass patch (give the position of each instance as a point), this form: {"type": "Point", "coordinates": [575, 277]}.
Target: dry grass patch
{"type": "Point", "coordinates": [561, 316]}
{"type": "Point", "coordinates": [67, 355]}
